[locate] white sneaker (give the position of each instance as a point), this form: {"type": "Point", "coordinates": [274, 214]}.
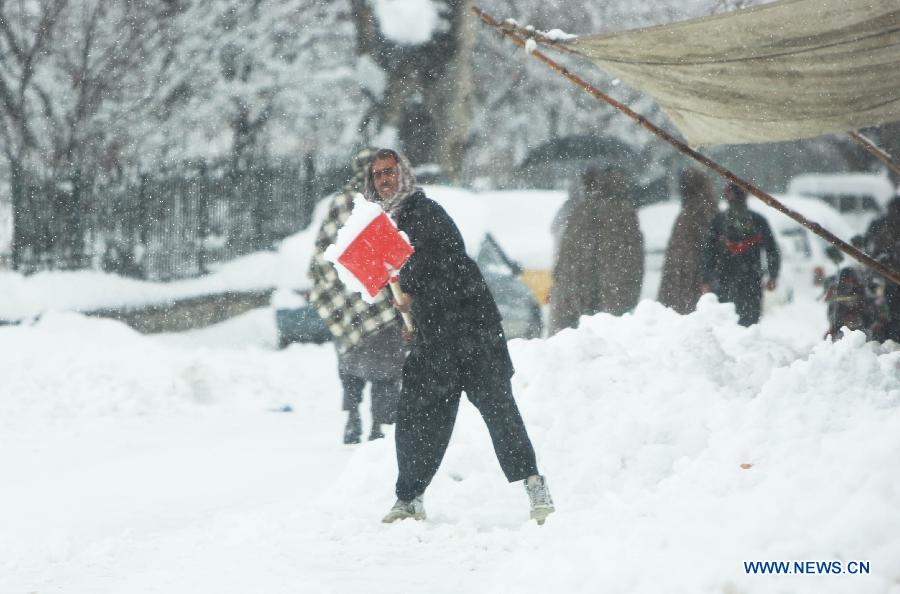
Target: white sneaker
{"type": "Point", "coordinates": [539, 495]}
{"type": "Point", "coordinates": [414, 509]}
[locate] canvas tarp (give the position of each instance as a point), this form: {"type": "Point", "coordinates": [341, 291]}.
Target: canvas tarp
{"type": "Point", "coordinates": [781, 71]}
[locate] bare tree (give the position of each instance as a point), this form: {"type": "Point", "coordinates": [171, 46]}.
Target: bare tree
{"type": "Point", "coordinates": [427, 96]}
{"type": "Point", "coordinates": [71, 89]}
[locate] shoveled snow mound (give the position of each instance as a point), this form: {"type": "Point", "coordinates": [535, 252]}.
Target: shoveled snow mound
{"type": "Point", "coordinates": [657, 415]}
{"type": "Point", "coordinates": [641, 423]}
{"type": "Point", "coordinates": [68, 366]}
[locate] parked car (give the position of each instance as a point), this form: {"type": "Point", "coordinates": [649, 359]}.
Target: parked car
{"type": "Point", "coordinates": [518, 305]}
{"type": "Point", "coordinates": [805, 259]}
{"type": "Point", "coordinates": [297, 321]}
{"type": "Point", "coordinates": [859, 197]}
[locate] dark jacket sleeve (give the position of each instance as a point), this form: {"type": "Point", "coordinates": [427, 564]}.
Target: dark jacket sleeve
{"type": "Point", "coordinates": [773, 255]}
{"type": "Point", "coordinates": [434, 268]}
{"type": "Point", "coordinates": [451, 302]}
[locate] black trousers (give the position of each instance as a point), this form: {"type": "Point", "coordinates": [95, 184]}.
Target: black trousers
{"type": "Point", "coordinates": [429, 400]}
{"type": "Point", "coordinates": [746, 294]}
{"type": "Point", "coordinates": [384, 397]}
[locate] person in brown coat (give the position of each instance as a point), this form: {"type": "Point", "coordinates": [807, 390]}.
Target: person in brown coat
{"type": "Point", "coordinates": [600, 264]}
{"type": "Point", "coordinates": [682, 277]}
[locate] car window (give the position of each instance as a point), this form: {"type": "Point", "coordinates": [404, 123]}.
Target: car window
{"type": "Point", "coordinates": [869, 203]}
{"type": "Point", "coordinates": [798, 239]}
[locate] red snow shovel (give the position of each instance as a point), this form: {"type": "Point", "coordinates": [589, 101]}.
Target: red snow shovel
{"type": "Point", "coordinates": [375, 256]}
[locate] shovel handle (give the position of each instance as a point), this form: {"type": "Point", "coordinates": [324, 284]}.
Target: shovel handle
{"type": "Point", "coordinates": [402, 298]}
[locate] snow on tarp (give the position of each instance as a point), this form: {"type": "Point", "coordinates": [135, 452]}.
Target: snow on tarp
{"type": "Point", "coordinates": [781, 71]}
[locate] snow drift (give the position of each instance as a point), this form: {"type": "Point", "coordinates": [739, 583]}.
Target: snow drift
{"type": "Point", "coordinates": [676, 447]}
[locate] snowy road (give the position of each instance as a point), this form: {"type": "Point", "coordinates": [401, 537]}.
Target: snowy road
{"type": "Point", "coordinates": [137, 465]}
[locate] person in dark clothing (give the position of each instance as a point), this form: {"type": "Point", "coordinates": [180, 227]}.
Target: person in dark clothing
{"type": "Point", "coordinates": [732, 257]}
{"type": "Point", "coordinates": [883, 239]}
{"type": "Point", "coordinates": [458, 346]}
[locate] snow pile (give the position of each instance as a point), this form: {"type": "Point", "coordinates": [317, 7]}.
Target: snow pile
{"type": "Point", "coordinates": [86, 290]}
{"type": "Point", "coordinates": [671, 407]}
{"type": "Point", "coordinates": [676, 448]}
{"type": "Point", "coordinates": [559, 35]}
{"type": "Point", "coordinates": [67, 366]}
{"type": "Point", "coordinates": [642, 424]}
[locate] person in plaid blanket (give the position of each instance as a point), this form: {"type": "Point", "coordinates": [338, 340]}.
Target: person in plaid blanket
{"type": "Point", "coordinates": [368, 337]}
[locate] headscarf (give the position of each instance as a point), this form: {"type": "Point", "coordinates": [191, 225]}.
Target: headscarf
{"type": "Point", "coordinates": [406, 182]}
{"type": "Point", "coordinates": [359, 167]}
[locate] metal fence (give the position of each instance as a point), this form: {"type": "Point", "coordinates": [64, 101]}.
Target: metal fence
{"type": "Point", "coordinates": [168, 225]}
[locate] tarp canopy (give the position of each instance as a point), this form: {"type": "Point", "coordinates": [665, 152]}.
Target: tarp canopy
{"type": "Point", "coordinates": [782, 71]}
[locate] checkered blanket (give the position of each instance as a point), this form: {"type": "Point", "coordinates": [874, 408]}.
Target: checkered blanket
{"type": "Point", "coordinates": [348, 317]}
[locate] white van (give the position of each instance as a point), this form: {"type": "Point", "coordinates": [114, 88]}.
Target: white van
{"type": "Point", "coordinates": [860, 197]}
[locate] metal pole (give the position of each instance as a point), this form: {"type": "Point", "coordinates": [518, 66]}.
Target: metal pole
{"type": "Point", "coordinates": [879, 153]}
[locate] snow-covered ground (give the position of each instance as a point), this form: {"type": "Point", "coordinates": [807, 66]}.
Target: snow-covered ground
{"type": "Point", "coordinates": [164, 464]}
{"type": "Point", "coordinates": [677, 449]}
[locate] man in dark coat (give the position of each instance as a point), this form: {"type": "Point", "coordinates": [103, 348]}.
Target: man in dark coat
{"type": "Point", "coordinates": [883, 238]}
{"type": "Point", "coordinates": [732, 257]}
{"type": "Point", "coordinates": [458, 346]}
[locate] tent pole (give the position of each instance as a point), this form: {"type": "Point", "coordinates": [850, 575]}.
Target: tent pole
{"type": "Point", "coordinates": [879, 153]}
{"type": "Point", "coordinates": [837, 242]}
